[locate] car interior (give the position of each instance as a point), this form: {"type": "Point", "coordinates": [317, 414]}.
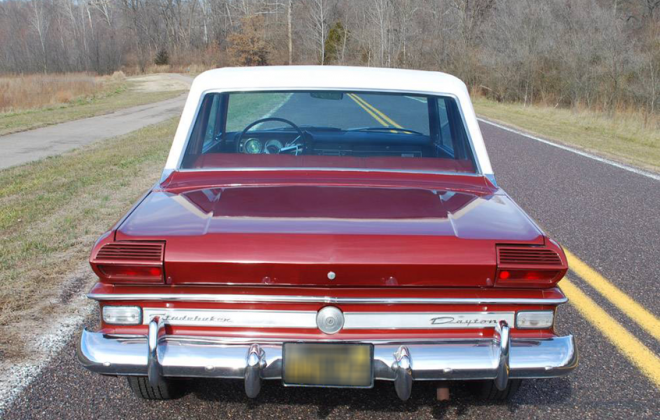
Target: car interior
{"type": "Point", "coordinates": [439, 133]}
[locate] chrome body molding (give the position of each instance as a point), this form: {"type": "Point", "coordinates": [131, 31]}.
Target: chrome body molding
{"type": "Point", "coordinates": [425, 320]}
{"type": "Point", "coordinates": [499, 359]}
{"type": "Point", "coordinates": [232, 318]}
{"type": "Point", "coordinates": [239, 298]}
{"type": "Point", "coordinates": [329, 319]}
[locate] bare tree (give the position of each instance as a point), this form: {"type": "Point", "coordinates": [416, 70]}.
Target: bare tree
{"type": "Point", "coordinates": [40, 24]}
{"type": "Point", "coordinates": [319, 14]}
{"type": "Point", "coordinates": [601, 54]}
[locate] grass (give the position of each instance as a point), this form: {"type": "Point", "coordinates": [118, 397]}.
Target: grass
{"type": "Point", "coordinates": [53, 210]}
{"type": "Point", "coordinates": [77, 96]}
{"type": "Point", "coordinates": [38, 90]}
{"type": "Point", "coordinates": [247, 107]}
{"type": "Point", "coordinates": [624, 138]}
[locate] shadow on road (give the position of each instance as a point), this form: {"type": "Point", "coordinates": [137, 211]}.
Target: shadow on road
{"type": "Point", "coordinates": [380, 399]}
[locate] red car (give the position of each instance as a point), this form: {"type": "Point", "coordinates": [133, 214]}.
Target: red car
{"type": "Point", "coordinates": [328, 227]}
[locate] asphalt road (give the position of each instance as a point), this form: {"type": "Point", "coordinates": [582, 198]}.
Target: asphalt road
{"type": "Point", "coordinates": [36, 144]}
{"type": "Point", "coordinates": [605, 215]}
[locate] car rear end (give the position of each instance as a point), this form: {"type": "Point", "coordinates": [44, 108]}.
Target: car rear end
{"type": "Point", "coordinates": [327, 227]}
{"type": "Point", "coordinates": [335, 336]}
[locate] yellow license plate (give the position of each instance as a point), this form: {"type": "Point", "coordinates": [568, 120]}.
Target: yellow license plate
{"type": "Point", "coordinates": [328, 364]}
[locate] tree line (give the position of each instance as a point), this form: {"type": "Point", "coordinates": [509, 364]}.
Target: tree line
{"type": "Point", "coordinates": [602, 54]}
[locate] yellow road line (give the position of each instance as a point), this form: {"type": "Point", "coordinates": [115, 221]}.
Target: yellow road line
{"type": "Point", "coordinates": [377, 111]}
{"type": "Point", "coordinates": [633, 349]}
{"type": "Point", "coordinates": [625, 303]}
{"type": "Point", "coordinates": [375, 117]}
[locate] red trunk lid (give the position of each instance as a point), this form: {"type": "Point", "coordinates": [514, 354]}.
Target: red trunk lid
{"type": "Point", "coordinates": [329, 235]}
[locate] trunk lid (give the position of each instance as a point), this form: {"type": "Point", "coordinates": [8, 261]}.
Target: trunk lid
{"type": "Point", "coordinates": [329, 235]}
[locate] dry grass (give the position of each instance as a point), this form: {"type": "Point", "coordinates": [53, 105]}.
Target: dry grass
{"type": "Point", "coordinates": [630, 137]}
{"type": "Point", "coordinates": [39, 90]}
{"type": "Point", "coordinates": [52, 211]}
{"type": "Point", "coordinates": [192, 69]}
{"type": "Point", "coordinates": [115, 92]}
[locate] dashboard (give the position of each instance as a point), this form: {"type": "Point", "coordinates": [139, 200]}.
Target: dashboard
{"type": "Point", "coordinates": [336, 144]}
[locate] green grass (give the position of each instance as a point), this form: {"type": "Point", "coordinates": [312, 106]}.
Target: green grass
{"type": "Point", "coordinates": [53, 210]}
{"type": "Point", "coordinates": [624, 138]}
{"type": "Point", "coordinates": [117, 96]}
{"type": "Point", "coordinates": [247, 107]}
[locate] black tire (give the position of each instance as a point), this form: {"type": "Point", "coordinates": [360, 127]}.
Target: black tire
{"type": "Point", "coordinates": [487, 391]}
{"type": "Point", "coordinates": [166, 390]}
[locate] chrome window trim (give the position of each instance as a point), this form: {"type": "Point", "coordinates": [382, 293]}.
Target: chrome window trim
{"type": "Point", "coordinates": [491, 178]}
{"type": "Point", "coordinates": [238, 298]}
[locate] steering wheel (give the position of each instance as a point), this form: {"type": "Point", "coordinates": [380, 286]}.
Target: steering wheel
{"type": "Point", "coordinates": [290, 146]}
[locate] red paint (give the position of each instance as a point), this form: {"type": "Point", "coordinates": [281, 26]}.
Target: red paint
{"type": "Point", "coordinates": [293, 233]}
{"type": "Point", "coordinates": [382, 234]}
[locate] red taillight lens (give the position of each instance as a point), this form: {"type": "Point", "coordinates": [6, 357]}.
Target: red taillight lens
{"type": "Point", "coordinates": [132, 273]}
{"type": "Point", "coordinates": [525, 277]}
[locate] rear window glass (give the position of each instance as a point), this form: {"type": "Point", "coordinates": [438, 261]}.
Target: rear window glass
{"type": "Point", "coordinates": [329, 129]}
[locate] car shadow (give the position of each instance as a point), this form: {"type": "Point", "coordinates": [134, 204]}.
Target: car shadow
{"type": "Point", "coordinates": [380, 399]}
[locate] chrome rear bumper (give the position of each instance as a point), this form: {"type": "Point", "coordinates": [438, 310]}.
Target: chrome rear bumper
{"type": "Point", "coordinates": [159, 355]}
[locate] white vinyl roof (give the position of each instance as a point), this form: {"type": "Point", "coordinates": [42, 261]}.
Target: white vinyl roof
{"type": "Point", "coordinates": [327, 77]}
{"type": "Point", "coordinates": [234, 79]}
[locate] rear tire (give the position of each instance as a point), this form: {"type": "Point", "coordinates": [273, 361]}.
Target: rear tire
{"type": "Point", "coordinates": [487, 391]}
{"type": "Point", "coordinates": [166, 390]}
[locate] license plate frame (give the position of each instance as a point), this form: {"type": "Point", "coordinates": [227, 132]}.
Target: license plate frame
{"type": "Point", "coordinates": [290, 345]}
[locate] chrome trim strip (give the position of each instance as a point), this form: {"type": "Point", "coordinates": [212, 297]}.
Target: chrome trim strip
{"type": "Point", "coordinates": [310, 319]}
{"type": "Point", "coordinates": [425, 320]}
{"type": "Point", "coordinates": [268, 340]}
{"type": "Point", "coordinates": [231, 318]}
{"type": "Point", "coordinates": [237, 298]}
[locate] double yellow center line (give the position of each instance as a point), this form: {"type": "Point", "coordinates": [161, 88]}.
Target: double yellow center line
{"type": "Point", "coordinates": [633, 349]}
{"type": "Point", "coordinates": [622, 301]}
{"type": "Point", "coordinates": [630, 346]}
{"type": "Point", "coordinates": [375, 113]}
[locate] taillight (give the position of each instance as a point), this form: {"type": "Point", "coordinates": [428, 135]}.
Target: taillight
{"type": "Point", "coordinates": [524, 277]}
{"type": "Point", "coordinates": [129, 262]}
{"type": "Point", "coordinates": [528, 266]}
{"type": "Point", "coordinates": [132, 273]}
